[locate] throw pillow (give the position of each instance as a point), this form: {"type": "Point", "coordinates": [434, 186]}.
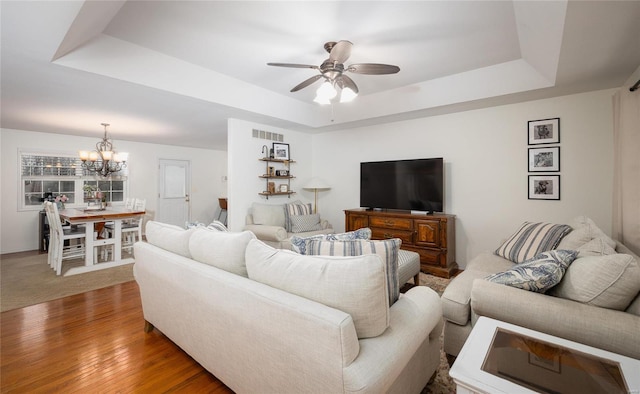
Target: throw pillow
{"type": "Point", "coordinates": [538, 274]}
{"type": "Point", "coordinates": [295, 208]}
{"type": "Point", "coordinates": [584, 230]}
{"type": "Point", "coordinates": [221, 249]}
{"type": "Point", "coordinates": [304, 223]}
{"type": "Point", "coordinates": [610, 281]}
{"type": "Point", "coordinates": [532, 239]}
{"type": "Point", "coordinates": [355, 285]}
{"type": "Point", "coordinates": [175, 239]}
{"type": "Point", "coordinates": [386, 249]}
{"type": "Point", "coordinates": [595, 247]}
{"type": "Point", "coordinates": [298, 245]}
{"type": "Point", "coordinates": [217, 226]}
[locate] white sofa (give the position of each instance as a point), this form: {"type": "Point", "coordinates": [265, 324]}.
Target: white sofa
{"type": "Point", "coordinates": [255, 337]}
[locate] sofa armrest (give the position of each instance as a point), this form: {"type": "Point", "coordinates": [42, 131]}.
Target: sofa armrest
{"type": "Point", "coordinates": [607, 329]}
{"type": "Point", "coordinates": [267, 233]}
{"type": "Point", "coordinates": [414, 320]}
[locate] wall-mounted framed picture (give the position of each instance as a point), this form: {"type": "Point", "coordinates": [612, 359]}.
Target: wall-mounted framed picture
{"type": "Point", "coordinates": [281, 151]}
{"type": "Point", "coordinates": [544, 159]}
{"type": "Point", "coordinates": [544, 187]}
{"type": "Point", "coordinates": [284, 188]}
{"type": "Point", "coordinates": [544, 131]}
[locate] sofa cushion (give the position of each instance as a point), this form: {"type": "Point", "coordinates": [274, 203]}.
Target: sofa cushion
{"type": "Point", "coordinates": [584, 230]}
{"type": "Point", "coordinates": [456, 298]}
{"type": "Point", "coordinates": [634, 307]}
{"type": "Point", "coordinates": [175, 239]}
{"type": "Point", "coordinates": [595, 247]}
{"type": "Point", "coordinates": [268, 214]}
{"type": "Point", "coordinates": [298, 245]}
{"type": "Point", "coordinates": [221, 249]}
{"type": "Point", "coordinates": [354, 284]}
{"type": "Point", "coordinates": [532, 239]}
{"type": "Point", "coordinates": [293, 209]}
{"type": "Point", "coordinates": [304, 223]}
{"type": "Point", "coordinates": [538, 274]}
{"type": "Point", "coordinates": [610, 281]}
{"type": "Point", "coordinates": [386, 249]}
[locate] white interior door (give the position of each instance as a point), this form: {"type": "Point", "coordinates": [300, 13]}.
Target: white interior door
{"type": "Point", "coordinates": [173, 196]}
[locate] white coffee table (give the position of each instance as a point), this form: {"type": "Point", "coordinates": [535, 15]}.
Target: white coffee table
{"type": "Point", "coordinates": [499, 357]}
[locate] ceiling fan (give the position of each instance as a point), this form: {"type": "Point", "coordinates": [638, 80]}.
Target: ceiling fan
{"type": "Point", "coordinates": [332, 71]}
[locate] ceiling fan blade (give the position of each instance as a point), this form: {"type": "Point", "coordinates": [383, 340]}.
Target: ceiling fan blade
{"type": "Point", "coordinates": [293, 65]}
{"type": "Point", "coordinates": [345, 82]}
{"type": "Point", "coordinates": [306, 83]}
{"type": "Point", "coordinates": [340, 51]}
{"type": "Point", "coordinates": [373, 68]}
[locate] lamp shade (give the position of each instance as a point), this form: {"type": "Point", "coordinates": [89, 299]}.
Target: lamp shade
{"type": "Point", "coordinates": [316, 183]}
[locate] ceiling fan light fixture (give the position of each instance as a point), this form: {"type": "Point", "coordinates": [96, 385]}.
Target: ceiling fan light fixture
{"type": "Point", "coordinates": [347, 95]}
{"type": "Point", "coordinates": [322, 100]}
{"type": "Point", "coordinates": [326, 91]}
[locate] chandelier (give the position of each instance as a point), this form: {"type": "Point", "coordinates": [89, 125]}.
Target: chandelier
{"type": "Point", "coordinates": [104, 160]}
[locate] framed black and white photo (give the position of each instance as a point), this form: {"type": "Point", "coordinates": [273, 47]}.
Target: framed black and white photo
{"type": "Point", "coordinates": [544, 187]}
{"type": "Point", "coordinates": [544, 159]}
{"type": "Point", "coordinates": [281, 151]}
{"type": "Point", "coordinates": [544, 131]}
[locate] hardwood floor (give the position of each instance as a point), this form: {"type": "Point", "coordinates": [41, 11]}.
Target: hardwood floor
{"type": "Point", "coordinates": [94, 342]}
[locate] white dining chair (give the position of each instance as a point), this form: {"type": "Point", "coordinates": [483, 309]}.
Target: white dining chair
{"type": "Point", "coordinates": [133, 227]}
{"type": "Point", "coordinates": [58, 251]}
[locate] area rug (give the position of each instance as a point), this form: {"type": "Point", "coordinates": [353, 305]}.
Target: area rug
{"type": "Point", "coordinates": [443, 384]}
{"type": "Point", "coordinates": [28, 280]}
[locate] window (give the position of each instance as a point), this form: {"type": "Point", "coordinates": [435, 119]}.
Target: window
{"type": "Point", "coordinates": [45, 175]}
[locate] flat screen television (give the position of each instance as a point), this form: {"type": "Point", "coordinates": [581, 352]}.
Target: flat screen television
{"type": "Point", "coordinates": [416, 185]}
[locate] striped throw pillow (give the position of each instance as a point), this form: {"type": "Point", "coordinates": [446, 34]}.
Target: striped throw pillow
{"type": "Point", "coordinates": [298, 245]}
{"type": "Point", "coordinates": [217, 226]}
{"type": "Point", "coordinates": [386, 249]}
{"type": "Point", "coordinates": [532, 239]}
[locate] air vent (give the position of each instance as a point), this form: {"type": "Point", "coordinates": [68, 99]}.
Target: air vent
{"type": "Point", "coordinates": [267, 135]}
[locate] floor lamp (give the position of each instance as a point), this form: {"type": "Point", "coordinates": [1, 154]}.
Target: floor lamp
{"type": "Point", "coordinates": [316, 184]}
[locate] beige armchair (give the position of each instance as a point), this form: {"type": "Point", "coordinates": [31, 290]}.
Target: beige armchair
{"type": "Point", "coordinates": [268, 223]}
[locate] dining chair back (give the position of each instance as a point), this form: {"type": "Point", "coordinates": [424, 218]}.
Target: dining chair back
{"type": "Point", "coordinates": [73, 236]}
{"type": "Point", "coordinates": [129, 202]}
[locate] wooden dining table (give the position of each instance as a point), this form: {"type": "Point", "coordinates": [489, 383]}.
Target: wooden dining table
{"type": "Point", "coordinates": [90, 217]}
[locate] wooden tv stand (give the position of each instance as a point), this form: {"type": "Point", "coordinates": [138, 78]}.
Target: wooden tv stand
{"type": "Point", "coordinates": [431, 236]}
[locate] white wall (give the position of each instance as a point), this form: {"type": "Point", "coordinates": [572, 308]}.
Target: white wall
{"type": "Point", "coordinates": [245, 168]}
{"type": "Point", "coordinates": [485, 152]}
{"type": "Point", "coordinates": [19, 229]}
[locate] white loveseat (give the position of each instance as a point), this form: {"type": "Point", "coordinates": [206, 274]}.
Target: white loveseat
{"type": "Point", "coordinates": [259, 336]}
{"type": "Point", "coordinates": [596, 303]}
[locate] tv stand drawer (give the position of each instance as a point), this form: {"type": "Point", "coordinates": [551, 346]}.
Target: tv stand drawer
{"type": "Point", "coordinates": [386, 233]}
{"type": "Point", "coordinates": [391, 222]}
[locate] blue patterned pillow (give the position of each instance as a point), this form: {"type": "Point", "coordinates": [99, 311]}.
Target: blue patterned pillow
{"type": "Point", "coordinates": [532, 239]}
{"type": "Point", "coordinates": [387, 250]}
{"type": "Point", "coordinates": [297, 243]}
{"type": "Point", "coordinates": [538, 274]}
{"type": "Point", "coordinates": [304, 223]}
